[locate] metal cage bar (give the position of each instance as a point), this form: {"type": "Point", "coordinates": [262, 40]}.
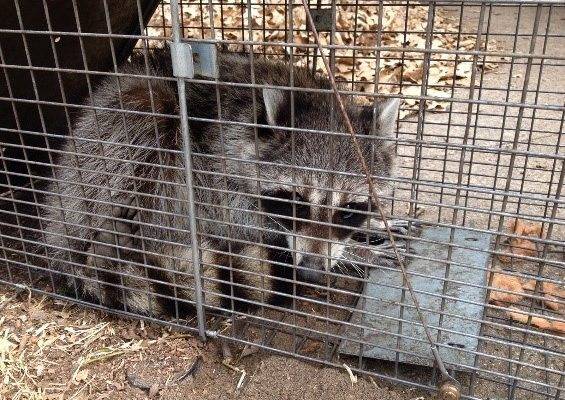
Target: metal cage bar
{"type": "Point", "coordinates": [197, 201]}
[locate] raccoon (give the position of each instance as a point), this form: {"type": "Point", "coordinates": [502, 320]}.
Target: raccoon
{"type": "Point", "coordinates": [276, 198]}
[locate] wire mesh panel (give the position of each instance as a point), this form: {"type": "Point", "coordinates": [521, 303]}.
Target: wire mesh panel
{"type": "Point", "coordinates": [209, 179]}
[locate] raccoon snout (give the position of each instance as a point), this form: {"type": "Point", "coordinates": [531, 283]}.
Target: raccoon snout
{"type": "Point", "coordinates": [311, 269]}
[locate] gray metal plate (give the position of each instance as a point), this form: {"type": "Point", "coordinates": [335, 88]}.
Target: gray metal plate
{"type": "Point", "coordinates": [463, 303]}
{"type": "Point", "coordinates": [205, 59]}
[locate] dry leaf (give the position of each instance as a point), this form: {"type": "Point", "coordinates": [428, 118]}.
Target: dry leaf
{"type": "Point", "coordinates": [509, 283]}
{"type": "Point", "coordinates": [463, 69]}
{"type": "Point", "coordinates": [552, 293]}
{"type": "Point", "coordinates": [521, 246]}
{"type": "Point", "coordinates": [414, 75]}
{"type": "Point", "coordinates": [538, 322]}
{"type": "Point", "coordinates": [311, 347]}
{"type": "Point", "coordinates": [231, 23]}
{"type": "Point", "coordinates": [521, 228]}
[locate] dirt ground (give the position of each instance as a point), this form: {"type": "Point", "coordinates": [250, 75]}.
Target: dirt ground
{"type": "Point", "coordinates": [50, 349]}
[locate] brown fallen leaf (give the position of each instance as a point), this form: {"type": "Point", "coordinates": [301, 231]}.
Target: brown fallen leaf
{"type": "Point", "coordinates": [552, 293]}
{"type": "Point", "coordinates": [509, 283]}
{"type": "Point", "coordinates": [530, 285]}
{"type": "Point", "coordinates": [414, 74]}
{"type": "Point", "coordinates": [270, 22]}
{"type": "Point", "coordinates": [311, 347]}
{"type": "Point", "coordinates": [521, 246]}
{"type": "Point", "coordinates": [538, 322]}
{"type": "Point", "coordinates": [521, 228]}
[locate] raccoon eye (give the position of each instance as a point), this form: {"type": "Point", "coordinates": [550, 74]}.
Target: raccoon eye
{"type": "Point", "coordinates": [353, 216]}
{"type": "Point", "coordinates": [285, 206]}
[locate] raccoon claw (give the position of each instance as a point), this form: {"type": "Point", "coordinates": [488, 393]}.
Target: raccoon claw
{"type": "Point", "coordinates": [118, 233]}
{"type": "Point", "coordinates": [124, 210]}
{"type": "Point", "coordinates": [131, 213]}
{"type": "Point", "coordinates": [401, 226]}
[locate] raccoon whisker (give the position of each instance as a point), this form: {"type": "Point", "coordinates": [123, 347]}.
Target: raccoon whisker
{"type": "Point", "coordinates": [344, 270]}
{"type": "Point", "coordinates": [284, 228]}
{"type": "Point", "coordinates": [360, 271]}
{"type": "Point", "coordinates": [356, 256]}
{"type": "Point", "coordinates": [350, 258]}
{"type": "Point", "coordinates": [341, 267]}
{"type": "Point", "coordinates": [357, 268]}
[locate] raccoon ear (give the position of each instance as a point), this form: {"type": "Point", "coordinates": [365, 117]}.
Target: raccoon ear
{"type": "Point", "coordinates": [386, 113]}
{"type": "Point", "coordinates": [275, 103]}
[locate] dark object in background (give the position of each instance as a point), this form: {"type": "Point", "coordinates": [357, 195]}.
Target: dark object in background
{"type": "Point", "coordinates": [30, 15]}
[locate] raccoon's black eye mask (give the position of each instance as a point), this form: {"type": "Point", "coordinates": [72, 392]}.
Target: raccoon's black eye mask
{"type": "Point", "coordinates": [354, 216]}
{"type": "Point", "coordinates": [283, 203]}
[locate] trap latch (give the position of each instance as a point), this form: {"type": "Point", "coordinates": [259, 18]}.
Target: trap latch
{"type": "Point", "coordinates": [190, 58]}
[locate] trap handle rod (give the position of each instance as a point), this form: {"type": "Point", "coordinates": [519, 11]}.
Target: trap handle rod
{"type": "Point", "coordinates": [187, 153]}
{"type": "Point", "coordinates": [447, 381]}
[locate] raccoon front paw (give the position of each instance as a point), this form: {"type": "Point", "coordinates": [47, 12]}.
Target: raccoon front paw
{"type": "Point", "coordinates": [118, 232]}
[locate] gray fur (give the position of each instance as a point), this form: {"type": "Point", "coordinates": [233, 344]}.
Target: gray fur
{"type": "Point", "coordinates": [118, 212]}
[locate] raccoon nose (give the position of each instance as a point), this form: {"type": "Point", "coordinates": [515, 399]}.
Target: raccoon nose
{"type": "Point", "coordinates": [311, 269]}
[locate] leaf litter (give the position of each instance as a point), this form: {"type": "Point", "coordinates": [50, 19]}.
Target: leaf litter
{"type": "Point", "coordinates": [509, 289]}
{"type": "Point", "coordinates": [400, 72]}
{"type": "Point", "coordinates": [62, 353]}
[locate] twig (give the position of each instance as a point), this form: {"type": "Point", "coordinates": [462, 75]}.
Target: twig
{"type": "Point", "coordinates": [191, 371]}
{"type": "Point", "coordinates": [19, 290]}
{"type": "Point", "coordinates": [352, 376]}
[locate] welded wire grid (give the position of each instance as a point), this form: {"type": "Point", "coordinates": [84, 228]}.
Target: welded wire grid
{"type": "Point", "coordinates": [480, 145]}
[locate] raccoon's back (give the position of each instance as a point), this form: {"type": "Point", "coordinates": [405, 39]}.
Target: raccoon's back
{"type": "Point", "coordinates": [127, 142]}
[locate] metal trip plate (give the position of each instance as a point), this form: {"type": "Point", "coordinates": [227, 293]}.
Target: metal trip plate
{"type": "Point", "coordinates": [463, 303]}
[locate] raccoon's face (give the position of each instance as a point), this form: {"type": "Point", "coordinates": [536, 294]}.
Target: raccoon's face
{"type": "Point", "coordinates": [317, 225]}
{"type": "Point", "coordinates": [314, 188]}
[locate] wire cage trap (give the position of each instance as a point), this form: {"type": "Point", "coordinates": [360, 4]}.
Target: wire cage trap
{"type": "Point", "coordinates": [188, 162]}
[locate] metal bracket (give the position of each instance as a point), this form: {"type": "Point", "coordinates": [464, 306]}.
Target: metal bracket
{"type": "Point", "coordinates": [205, 56]}
{"type": "Point", "coordinates": [194, 58]}
{"type": "Point", "coordinates": [322, 19]}
{"type": "Point", "coordinates": [182, 60]}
